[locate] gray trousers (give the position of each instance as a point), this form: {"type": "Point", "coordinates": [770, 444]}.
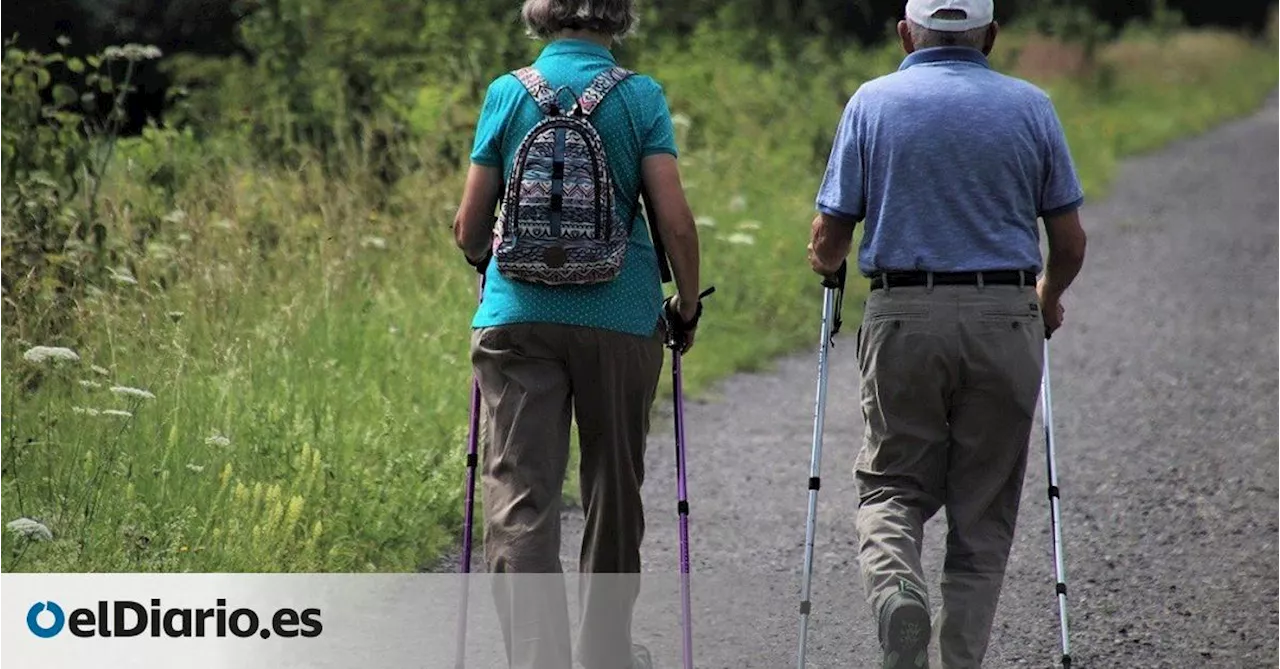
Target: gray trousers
{"type": "Point", "coordinates": [534, 378]}
{"type": "Point", "coordinates": [950, 383]}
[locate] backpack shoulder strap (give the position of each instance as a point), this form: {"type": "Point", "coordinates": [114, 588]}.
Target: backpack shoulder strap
{"type": "Point", "coordinates": [598, 89]}
{"type": "Point", "coordinates": [538, 87]}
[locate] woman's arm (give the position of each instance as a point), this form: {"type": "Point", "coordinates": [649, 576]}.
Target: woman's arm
{"type": "Point", "coordinates": [473, 224]}
{"type": "Point", "coordinates": [674, 222]}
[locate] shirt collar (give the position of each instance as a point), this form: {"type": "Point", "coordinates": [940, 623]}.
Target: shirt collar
{"type": "Point", "coordinates": [945, 54]}
{"type": "Point", "coordinates": [567, 46]}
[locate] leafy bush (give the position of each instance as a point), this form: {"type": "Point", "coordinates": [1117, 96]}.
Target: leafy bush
{"type": "Point", "coordinates": [55, 158]}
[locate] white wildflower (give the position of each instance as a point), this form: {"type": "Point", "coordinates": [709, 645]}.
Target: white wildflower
{"type": "Point", "coordinates": [39, 354]}
{"type": "Point", "coordinates": [100, 370]}
{"type": "Point", "coordinates": [134, 52]}
{"type": "Point", "coordinates": [681, 120]}
{"type": "Point", "coordinates": [705, 221]}
{"type": "Point", "coordinates": [374, 243]}
{"type": "Point", "coordinates": [194, 467]}
{"type": "Point", "coordinates": [175, 316]}
{"type": "Point", "coordinates": [393, 330]}
{"type": "Point", "coordinates": [224, 224]}
{"type": "Point", "coordinates": [86, 411]}
{"type": "Point", "coordinates": [30, 529]}
{"type": "Point", "coordinates": [117, 412]}
{"type": "Point", "coordinates": [749, 225]}
{"type": "Point", "coordinates": [176, 216]}
{"type": "Point", "coordinates": [740, 238]}
{"type": "Point", "coordinates": [132, 392]}
{"type": "Point", "coordinates": [90, 384]}
{"type": "Point", "coordinates": [217, 440]}
{"type": "Point", "coordinates": [738, 203]}
{"type": "Point", "coordinates": [122, 275]}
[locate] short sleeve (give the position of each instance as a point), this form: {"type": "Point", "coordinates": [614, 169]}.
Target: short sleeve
{"type": "Point", "coordinates": [487, 149]}
{"type": "Point", "coordinates": [842, 192]}
{"type": "Point", "coordinates": [661, 136]}
{"type": "Point", "coordinates": [1061, 191]}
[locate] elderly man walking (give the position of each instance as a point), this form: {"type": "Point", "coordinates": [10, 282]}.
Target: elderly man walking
{"type": "Point", "coordinates": [949, 165]}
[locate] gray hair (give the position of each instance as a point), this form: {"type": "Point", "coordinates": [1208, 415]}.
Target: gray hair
{"type": "Point", "coordinates": [546, 18]}
{"type": "Point", "coordinates": [924, 38]}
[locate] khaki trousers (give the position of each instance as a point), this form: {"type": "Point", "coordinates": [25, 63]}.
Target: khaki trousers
{"type": "Point", "coordinates": [533, 379]}
{"type": "Point", "coordinates": [950, 383]}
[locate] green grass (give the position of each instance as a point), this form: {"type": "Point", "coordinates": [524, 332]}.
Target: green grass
{"type": "Point", "coordinates": [305, 337]}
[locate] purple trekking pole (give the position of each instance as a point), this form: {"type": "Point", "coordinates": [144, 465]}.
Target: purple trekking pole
{"type": "Point", "coordinates": [676, 332]}
{"type": "Point", "coordinates": [473, 439]}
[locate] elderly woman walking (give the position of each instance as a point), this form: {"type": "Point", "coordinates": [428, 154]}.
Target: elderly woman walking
{"type": "Point", "coordinates": [562, 334]}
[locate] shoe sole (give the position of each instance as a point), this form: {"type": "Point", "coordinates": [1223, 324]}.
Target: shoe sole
{"type": "Point", "coordinates": [640, 658]}
{"type": "Point", "coordinates": [907, 646]}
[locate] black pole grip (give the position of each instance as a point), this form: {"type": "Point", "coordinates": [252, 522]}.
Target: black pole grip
{"type": "Point", "coordinates": [677, 328]}
{"type": "Point", "coordinates": [837, 280]}
{"type": "Point", "coordinates": [837, 283]}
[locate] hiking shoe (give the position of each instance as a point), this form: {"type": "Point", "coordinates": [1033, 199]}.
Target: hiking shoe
{"type": "Point", "coordinates": [640, 658]}
{"type": "Point", "coordinates": [904, 631]}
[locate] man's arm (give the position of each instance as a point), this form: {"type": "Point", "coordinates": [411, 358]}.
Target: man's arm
{"type": "Point", "coordinates": [1066, 257]}
{"type": "Point", "coordinates": [1067, 242]}
{"type": "Point", "coordinates": [473, 224]}
{"type": "Point", "coordinates": [841, 201]}
{"type": "Point", "coordinates": [1060, 202]}
{"type": "Point", "coordinates": [830, 242]}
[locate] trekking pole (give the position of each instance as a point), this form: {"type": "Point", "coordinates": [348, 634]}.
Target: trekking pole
{"type": "Point", "coordinates": [468, 514]}
{"type": "Point", "coordinates": [675, 341]}
{"type": "Point", "coordinates": [831, 306]}
{"type": "Point", "coordinates": [1055, 518]}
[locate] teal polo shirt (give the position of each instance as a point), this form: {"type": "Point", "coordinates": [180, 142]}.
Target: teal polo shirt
{"type": "Point", "coordinates": [634, 121]}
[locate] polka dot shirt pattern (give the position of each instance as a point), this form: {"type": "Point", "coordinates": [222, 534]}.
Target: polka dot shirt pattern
{"type": "Point", "coordinates": [634, 121]}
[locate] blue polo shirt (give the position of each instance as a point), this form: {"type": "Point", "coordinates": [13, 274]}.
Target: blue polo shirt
{"type": "Point", "coordinates": [633, 121]}
{"type": "Point", "coordinates": [949, 164]}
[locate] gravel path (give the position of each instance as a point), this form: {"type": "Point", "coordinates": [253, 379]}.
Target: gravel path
{"type": "Point", "coordinates": [1165, 389]}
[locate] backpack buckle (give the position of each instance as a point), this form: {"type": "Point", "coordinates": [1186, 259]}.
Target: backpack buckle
{"type": "Point", "coordinates": [555, 256]}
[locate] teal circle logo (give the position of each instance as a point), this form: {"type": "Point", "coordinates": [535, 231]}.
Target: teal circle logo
{"type": "Point", "coordinates": [33, 619]}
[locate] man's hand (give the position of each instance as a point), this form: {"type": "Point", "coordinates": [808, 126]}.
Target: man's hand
{"type": "Point", "coordinates": [1051, 308]}
{"type": "Point", "coordinates": [829, 244]}
{"type": "Point", "coordinates": [821, 266]}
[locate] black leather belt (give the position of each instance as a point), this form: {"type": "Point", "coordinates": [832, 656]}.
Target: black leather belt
{"type": "Point", "coordinates": [996, 278]}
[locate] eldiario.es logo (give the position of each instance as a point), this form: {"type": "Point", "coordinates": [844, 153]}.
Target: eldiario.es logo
{"type": "Point", "coordinates": [124, 618]}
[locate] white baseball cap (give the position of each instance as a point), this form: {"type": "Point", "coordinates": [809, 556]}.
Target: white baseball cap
{"type": "Point", "coordinates": [977, 13]}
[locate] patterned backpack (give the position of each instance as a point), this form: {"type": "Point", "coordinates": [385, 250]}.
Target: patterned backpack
{"type": "Point", "coordinates": [557, 224]}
